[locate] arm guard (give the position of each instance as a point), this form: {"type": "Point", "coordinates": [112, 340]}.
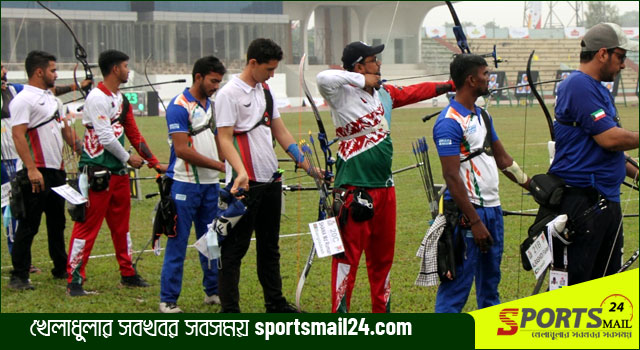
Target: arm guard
{"type": "Point", "coordinates": [514, 169]}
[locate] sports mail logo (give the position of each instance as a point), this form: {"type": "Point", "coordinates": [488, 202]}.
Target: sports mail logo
{"type": "Point", "coordinates": [559, 318]}
{"type": "Point", "coordinates": [614, 312]}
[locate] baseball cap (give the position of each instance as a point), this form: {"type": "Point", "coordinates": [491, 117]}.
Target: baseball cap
{"type": "Point", "coordinates": [608, 36]}
{"type": "Point", "coordinates": [357, 51]}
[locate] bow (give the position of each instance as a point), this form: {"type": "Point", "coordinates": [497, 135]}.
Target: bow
{"type": "Point", "coordinates": [461, 39]}
{"type": "Point", "coordinates": [550, 144]}
{"type": "Point", "coordinates": [80, 55]}
{"type": "Point", "coordinates": [535, 93]}
{"type": "Point", "coordinates": [635, 254]}
{"type": "Point", "coordinates": [151, 85]}
{"type": "Point", "coordinates": [324, 207]}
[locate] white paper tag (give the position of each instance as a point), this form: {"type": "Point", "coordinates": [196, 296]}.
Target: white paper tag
{"type": "Point", "coordinates": [539, 255]}
{"type": "Point", "coordinates": [326, 237]}
{"type": "Point", "coordinates": [6, 194]}
{"type": "Point", "coordinates": [558, 279]}
{"type": "Point", "coordinates": [201, 245]}
{"type": "Point", "coordinates": [67, 192]}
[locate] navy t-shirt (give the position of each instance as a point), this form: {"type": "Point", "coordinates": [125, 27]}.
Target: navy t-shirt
{"type": "Point", "coordinates": [579, 160]}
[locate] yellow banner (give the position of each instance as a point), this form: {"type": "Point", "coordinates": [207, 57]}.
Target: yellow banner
{"type": "Point", "coordinates": [600, 314]}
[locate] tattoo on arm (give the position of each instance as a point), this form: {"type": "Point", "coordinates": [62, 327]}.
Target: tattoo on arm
{"type": "Point", "coordinates": [61, 90]}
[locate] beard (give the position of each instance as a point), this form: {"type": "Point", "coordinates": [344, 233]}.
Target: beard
{"type": "Point", "coordinates": [49, 83]}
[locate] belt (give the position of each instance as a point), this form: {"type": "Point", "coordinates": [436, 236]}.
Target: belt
{"type": "Point", "coordinates": [119, 172]}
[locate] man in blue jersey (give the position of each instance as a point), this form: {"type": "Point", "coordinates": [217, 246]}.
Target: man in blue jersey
{"type": "Point", "coordinates": [590, 155]}
{"type": "Point", "coordinates": [194, 167]}
{"type": "Point", "coordinates": [471, 154]}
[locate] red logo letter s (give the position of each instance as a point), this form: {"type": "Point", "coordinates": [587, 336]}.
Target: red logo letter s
{"type": "Point", "coordinates": [509, 322]}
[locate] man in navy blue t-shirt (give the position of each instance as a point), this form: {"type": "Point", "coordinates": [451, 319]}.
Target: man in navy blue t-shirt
{"type": "Point", "coordinates": [589, 154]}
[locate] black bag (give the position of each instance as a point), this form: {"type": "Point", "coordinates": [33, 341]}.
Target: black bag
{"type": "Point", "coordinates": [450, 251]}
{"type": "Point", "coordinates": [76, 212]}
{"type": "Point", "coordinates": [99, 178]}
{"type": "Point", "coordinates": [361, 206]}
{"type": "Point", "coordinates": [340, 211]}
{"type": "Point", "coordinates": [547, 190]}
{"type": "Point", "coordinates": [164, 222]}
{"type": "Point", "coordinates": [19, 184]}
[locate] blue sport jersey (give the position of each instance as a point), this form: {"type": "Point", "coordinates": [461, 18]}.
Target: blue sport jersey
{"type": "Point", "coordinates": [579, 160]}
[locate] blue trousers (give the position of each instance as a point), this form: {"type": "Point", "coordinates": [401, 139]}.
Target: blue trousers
{"type": "Point", "coordinates": [197, 204]}
{"type": "Point", "coordinates": [484, 267]}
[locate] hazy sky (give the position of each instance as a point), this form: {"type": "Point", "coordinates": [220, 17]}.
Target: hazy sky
{"type": "Point", "coordinates": [509, 13]}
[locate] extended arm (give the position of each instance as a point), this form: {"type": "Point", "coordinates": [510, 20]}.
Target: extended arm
{"type": "Point", "coordinates": [407, 95]}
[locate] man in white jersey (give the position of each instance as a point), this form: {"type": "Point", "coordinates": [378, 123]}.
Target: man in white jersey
{"type": "Point", "coordinates": [38, 129]}
{"type": "Point", "coordinates": [471, 154]}
{"type": "Point", "coordinates": [194, 167]}
{"type": "Point", "coordinates": [9, 155]}
{"type": "Point", "coordinates": [246, 126]}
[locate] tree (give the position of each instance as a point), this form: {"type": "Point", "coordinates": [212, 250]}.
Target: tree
{"type": "Point", "coordinates": [491, 25]}
{"type": "Point", "coordinates": [629, 19]}
{"type": "Point", "coordinates": [464, 24]}
{"type": "Point", "coordinates": [601, 11]}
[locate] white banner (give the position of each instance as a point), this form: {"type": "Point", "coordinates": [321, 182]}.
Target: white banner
{"type": "Point", "coordinates": [535, 15]}
{"type": "Point", "coordinates": [475, 32]}
{"type": "Point", "coordinates": [519, 33]}
{"type": "Point", "coordinates": [436, 32]}
{"type": "Point", "coordinates": [574, 32]}
{"type": "Point", "coordinates": [631, 32]}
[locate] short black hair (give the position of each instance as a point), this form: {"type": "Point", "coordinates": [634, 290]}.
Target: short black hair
{"type": "Point", "coordinates": [464, 65]}
{"type": "Point", "coordinates": [37, 59]}
{"type": "Point", "coordinates": [264, 50]}
{"type": "Point", "coordinates": [110, 58]}
{"type": "Point", "coordinates": [206, 65]}
{"type": "Point", "coordinates": [587, 56]}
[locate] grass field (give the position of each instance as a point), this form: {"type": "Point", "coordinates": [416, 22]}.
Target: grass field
{"type": "Point", "coordinates": [516, 127]}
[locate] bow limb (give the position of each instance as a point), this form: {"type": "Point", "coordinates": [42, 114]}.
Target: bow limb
{"type": "Point", "coordinates": [146, 76]}
{"type": "Point", "coordinates": [79, 52]}
{"type": "Point", "coordinates": [535, 93]}
{"type": "Point", "coordinates": [551, 144]}
{"type": "Point", "coordinates": [461, 38]}
{"type": "Point", "coordinates": [324, 207]}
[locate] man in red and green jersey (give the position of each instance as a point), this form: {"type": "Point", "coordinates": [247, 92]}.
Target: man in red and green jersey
{"type": "Point", "coordinates": [103, 154]}
{"type": "Point", "coordinates": [358, 106]}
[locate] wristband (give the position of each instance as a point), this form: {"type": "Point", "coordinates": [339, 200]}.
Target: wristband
{"type": "Point", "coordinates": [294, 151]}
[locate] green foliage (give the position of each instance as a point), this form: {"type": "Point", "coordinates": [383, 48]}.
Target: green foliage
{"type": "Point", "coordinates": [515, 127]}
{"type": "Point", "coordinates": [601, 11]}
